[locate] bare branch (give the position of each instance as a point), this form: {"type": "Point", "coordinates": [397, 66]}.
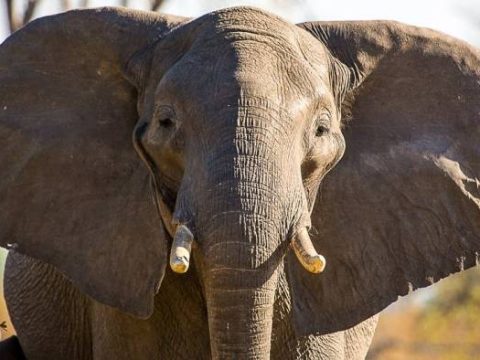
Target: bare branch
{"type": "Point", "coordinates": [28, 14]}
{"type": "Point", "coordinates": [66, 4]}
{"type": "Point", "coordinates": [155, 5]}
{"type": "Point", "coordinates": [13, 21]}
{"type": "Point", "coordinates": [83, 3]}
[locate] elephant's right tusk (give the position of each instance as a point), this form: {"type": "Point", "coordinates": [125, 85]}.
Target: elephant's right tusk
{"type": "Point", "coordinates": [306, 253]}
{"type": "Point", "coordinates": [181, 249]}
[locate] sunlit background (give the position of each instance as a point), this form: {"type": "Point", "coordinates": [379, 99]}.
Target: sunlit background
{"type": "Point", "coordinates": [460, 18]}
{"type": "Point", "coordinates": [440, 322]}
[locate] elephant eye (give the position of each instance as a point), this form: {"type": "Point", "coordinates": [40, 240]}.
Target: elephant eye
{"type": "Point", "coordinates": [165, 116]}
{"type": "Point", "coordinates": [166, 123]}
{"type": "Point", "coordinates": [321, 130]}
{"type": "Point", "coordinates": [323, 125]}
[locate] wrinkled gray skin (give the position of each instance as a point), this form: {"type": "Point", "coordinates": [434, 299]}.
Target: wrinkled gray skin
{"type": "Point", "coordinates": [236, 117]}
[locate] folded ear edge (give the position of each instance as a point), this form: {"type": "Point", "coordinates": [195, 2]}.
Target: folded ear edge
{"type": "Point", "coordinates": [362, 45]}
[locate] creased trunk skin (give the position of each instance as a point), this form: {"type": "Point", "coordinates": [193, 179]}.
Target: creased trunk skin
{"type": "Point", "coordinates": [241, 258]}
{"type": "Point", "coordinates": [240, 320]}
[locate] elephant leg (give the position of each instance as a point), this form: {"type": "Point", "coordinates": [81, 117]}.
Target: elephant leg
{"type": "Point", "coordinates": [122, 337]}
{"type": "Point", "coordinates": [54, 320]}
{"type": "Point", "coordinates": [351, 344]}
{"type": "Point", "coordinates": [178, 328]}
{"type": "Point", "coordinates": [359, 338]}
{"type": "Point", "coordinates": [290, 346]}
{"type": "Point", "coordinates": [50, 316]}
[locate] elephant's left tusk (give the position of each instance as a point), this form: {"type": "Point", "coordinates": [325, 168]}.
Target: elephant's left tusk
{"type": "Point", "coordinates": [306, 253]}
{"type": "Point", "coordinates": [181, 249]}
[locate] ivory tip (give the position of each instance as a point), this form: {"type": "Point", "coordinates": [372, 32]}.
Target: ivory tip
{"type": "Point", "coordinates": [180, 260]}
{"type": "Point", "coordinates": [317, 264]}
{"type": "Point", "coordinates": [179, 266]}
{"type": "Point", "coordinates": [181, 249]}
{"type": "Point", "coordinates": [306, 253]}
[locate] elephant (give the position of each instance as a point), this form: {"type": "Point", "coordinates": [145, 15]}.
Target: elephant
{"type": "Point", "coordinates": [169, 185]}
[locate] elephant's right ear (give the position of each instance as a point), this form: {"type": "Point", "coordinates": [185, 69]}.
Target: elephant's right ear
{"type": "Point", "coordinates": [73, 193]}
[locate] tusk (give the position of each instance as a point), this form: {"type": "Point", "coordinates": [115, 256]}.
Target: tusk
{"type": "Point", "coordinates": [306, 253]}
{"type": "Point", "coordinates": [181, 249]}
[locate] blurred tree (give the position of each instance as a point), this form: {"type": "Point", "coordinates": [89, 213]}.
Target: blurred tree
{"type": "Point", "coordinates": [451, 320]}
{"type": "Point", "coordinates": [16, 19]}
{"type": "Point", "coordinates": [20, 12]}
{"type": "Point", "coordinates": [445, 327]}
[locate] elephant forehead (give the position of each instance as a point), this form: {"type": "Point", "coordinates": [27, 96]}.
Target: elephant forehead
{"type": "Point", "coordinates": [278, 70]}
{"type": "Point", "coordinates": [246, 65]}
{"type": "Point", "coordinates": [257, 51]}
{"type": "Point", "coordinates": [223, 87]}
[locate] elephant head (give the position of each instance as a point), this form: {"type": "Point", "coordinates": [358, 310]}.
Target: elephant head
{"type": "Point", "coordinates": [132, 139]}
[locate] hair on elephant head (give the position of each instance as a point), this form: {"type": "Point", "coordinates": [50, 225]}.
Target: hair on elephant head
{"type": "Point", "coordinates": [236, 118]}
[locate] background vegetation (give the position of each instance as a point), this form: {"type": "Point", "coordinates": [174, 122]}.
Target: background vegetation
{"type": "Point", "coordinates": [439, 323]}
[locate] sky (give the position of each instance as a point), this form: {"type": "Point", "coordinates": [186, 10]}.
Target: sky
{"type": "Point", "coordinates": [460, 18]}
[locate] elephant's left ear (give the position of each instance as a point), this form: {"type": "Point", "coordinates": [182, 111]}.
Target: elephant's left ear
{"type": "Point", "coordinates": [402, 209]}
{"type": "Point", "coordinates": [73, 193]}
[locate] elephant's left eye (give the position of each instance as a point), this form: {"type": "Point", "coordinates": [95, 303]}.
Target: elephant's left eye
{"type": "Point", "coordinates": [323, 124]}
{"type": "Point", "coordinates": [165, 117]}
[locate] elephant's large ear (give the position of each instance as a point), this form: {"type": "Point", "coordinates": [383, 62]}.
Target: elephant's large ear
{"type": "Point", "coordinates": [402, 209]}
{"type": "Point", "coordinates": [73, 193]}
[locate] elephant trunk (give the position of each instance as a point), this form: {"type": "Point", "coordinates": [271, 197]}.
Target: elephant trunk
{"type": "Point", "coordinates": [240, 317]}
{"type": "Point", "coordinates": [246, 201]}
{"type": "Point", "coordinates": [242, 251]}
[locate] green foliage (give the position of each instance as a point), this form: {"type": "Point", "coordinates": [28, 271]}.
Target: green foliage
{"type": "Point", "coordinates": [450, 322]}
{"type": "Point", "coordinates": [446, 327]}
